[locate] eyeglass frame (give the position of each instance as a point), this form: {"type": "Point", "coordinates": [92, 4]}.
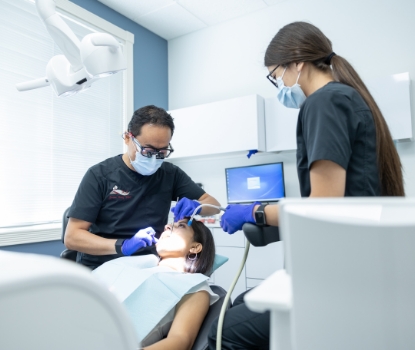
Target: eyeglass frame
{"type": "Point", "coordinates": [271, 78]}
{"type": "Point", "coordinates": [157, 151]}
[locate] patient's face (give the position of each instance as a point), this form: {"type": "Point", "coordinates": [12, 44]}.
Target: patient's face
{"type": "Point", "coordinates": [175, 243]}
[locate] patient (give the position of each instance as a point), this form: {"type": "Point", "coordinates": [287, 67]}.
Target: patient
{"type": "Point", "coordinates": [181, 249]}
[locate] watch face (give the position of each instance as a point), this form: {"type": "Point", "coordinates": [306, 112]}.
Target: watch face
{"type": "Point", "coordinates": [259, 217]}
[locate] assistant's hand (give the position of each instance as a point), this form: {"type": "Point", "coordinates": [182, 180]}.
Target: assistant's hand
{"type": "Point", "coordinates": [141, 239]}
{"type": "Point", "coordinates": [236, 215]}
{"type": "Point", "coordinates": [185, 208]}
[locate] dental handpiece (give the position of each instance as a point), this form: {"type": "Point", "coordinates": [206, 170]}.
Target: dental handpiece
{"type": "Point", "coordinates": [203, 205]}
{"type": "Point", "coordinates": [171, 227]}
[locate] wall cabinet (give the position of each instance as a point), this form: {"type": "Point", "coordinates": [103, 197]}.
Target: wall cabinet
{"type": "Point", "coordinates": [281, 125]}
{"type": "Point", "coordinates": [228, 126]}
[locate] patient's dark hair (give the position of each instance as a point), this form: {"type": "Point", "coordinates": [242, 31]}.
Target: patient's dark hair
{"type": "Point", "coordinates": [150, 115]}
{"type": "Point", "coordinates": [203, 263]}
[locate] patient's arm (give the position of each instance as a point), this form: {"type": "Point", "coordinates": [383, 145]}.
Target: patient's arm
{"type": "Point", "coordinates": [77, 237]}
{"type": "Point", "coordinates": [190, 313]}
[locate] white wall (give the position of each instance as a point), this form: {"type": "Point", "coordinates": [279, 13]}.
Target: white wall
{"type": "Point", "coordinates": [226, 61]}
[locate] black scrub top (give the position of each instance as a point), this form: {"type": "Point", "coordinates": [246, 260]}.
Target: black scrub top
{"type": "Point", "coordinates": [336, 124]}
{"type": "Point", "coordinates": [119, 201]}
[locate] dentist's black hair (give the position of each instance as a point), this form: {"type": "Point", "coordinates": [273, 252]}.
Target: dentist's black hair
{"type": "Point", "coordinates": [150, 115]}
{"type": "Point", "coordinates": [303, 42]}
{"type": "Point", "coordinates": [203, 263]}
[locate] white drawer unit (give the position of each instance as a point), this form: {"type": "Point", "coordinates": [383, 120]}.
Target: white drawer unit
{"type": "Point", "coordinates": [224, 239]}
{"type": "Point", "coordinates": [226, 273]}
{"type": "Point", "coordinates": [253, 282]}
{"type": "Point", "coordinates": [264, 261]}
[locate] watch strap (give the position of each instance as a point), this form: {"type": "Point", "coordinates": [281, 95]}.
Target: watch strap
{"type": "Point", "coordinates": [118, 245]}
{"type": "Point", "coordinates": [261, 210]}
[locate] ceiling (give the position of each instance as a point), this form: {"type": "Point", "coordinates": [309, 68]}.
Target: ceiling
{"type": "Point", "coordinates": [173, 18]}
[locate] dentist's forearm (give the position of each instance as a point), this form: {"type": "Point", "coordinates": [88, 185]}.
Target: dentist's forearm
{"type": "Point", "coordinates": [77, 237]}
{"type": "Point", "coordinates": [208, 199]}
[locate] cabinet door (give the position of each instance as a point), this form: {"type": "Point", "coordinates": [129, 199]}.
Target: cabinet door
{"type": "Point", "coordinates": [224, 239]}
{"type": "Point", "coordinates": [281, 125]}
{"type": "Point", "coordinates": [233, 125]}
{"type": "Point", "coordinates": [226, 273]}
{"type": "Point", "coordinates": [263, 261]}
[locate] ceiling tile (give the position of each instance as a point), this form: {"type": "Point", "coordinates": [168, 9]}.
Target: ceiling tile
{"type": "Point", "coordinates": [136, 8]}
{"type": "Point", "coordinates": [216, 11]}
{"type": "Point", "coordinates": [170, 21]}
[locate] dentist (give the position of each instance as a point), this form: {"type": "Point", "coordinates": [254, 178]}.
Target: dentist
{"type": "Point", "coordinates": [122, 203]}
{"type": "Point", "coordinates": [344, 147]}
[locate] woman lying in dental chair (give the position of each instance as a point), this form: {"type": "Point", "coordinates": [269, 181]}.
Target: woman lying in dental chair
{"type": "Point", "coordinates": [168, 296]}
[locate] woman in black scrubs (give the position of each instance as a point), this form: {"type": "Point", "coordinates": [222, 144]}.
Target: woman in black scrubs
{"type": "Point", "coordinates": [344, 147]}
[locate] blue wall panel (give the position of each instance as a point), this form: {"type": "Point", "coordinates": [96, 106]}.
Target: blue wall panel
{"type": "Point", "coordinates": [53, 248]}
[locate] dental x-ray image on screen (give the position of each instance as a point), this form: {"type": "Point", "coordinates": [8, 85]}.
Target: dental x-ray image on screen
{"type": "Point", "coordinates": [264, 182]}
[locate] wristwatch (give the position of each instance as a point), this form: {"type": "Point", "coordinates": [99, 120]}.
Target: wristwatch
{"type": "Point", "coordinates": [260, 215]}
{"type": "Point", "coordinates": [118, 245]}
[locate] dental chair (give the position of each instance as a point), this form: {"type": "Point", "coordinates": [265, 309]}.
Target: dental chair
{"type": "Point", "coordinates": [350, 276]}
{"type": "Point", "coordinates": [48, 303]}
{"type": "Point", "coordinates": [201, 341]}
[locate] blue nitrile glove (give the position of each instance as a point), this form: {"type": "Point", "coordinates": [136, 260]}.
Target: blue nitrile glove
{"type": "Point", "coordinates": [185, 208]}
{"type": "Point", "coordinates": [236, 215]}
{"type": "Point", "coordinates": [141, 239]}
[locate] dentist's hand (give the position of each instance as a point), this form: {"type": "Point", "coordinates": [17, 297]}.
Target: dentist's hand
{"type": "Point", "coordinates": [185, 208]}
{"type": "Point", "coordinates": [141, 239]}
{"type": "Point", "coordinates": [236, 215]}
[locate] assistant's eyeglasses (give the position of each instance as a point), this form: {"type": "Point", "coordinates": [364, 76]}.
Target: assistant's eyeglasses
{"type": "Point", "coordinates": [149, 152]}
{"type": "Point", "coordinates": [272, 79]}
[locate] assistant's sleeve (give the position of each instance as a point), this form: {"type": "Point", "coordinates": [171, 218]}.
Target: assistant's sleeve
{"type": "Point", "coordinates": [325, 129]}
{"type": "Point", "coordinates": [88, 199]}
{"type": "Point", "coordinates": [184, 186]}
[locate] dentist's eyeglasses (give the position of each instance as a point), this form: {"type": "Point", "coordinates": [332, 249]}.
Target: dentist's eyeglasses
{"type": "Point", "coordinates": [149, 152]}
{"type": "Point", "coordinates": [273, 80]}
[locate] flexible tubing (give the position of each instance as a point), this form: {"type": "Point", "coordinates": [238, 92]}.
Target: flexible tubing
{"type": "Point", "coordinates": [228, 296]}
{"type": "Point", "coordinates": [203, 205]}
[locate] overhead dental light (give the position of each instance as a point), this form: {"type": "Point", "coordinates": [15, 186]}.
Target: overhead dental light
{"type": "Point", "coordinates": [83, 62]}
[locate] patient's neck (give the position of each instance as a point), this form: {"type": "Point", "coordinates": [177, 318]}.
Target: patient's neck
{"type": "Point", "coordinates": [177, 264]}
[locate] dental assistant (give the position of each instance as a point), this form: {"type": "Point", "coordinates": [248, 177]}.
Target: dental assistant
{"type": "Point", "coordinates": [344, 147]}
{"type": "Point", "coordinates": [122, 195]}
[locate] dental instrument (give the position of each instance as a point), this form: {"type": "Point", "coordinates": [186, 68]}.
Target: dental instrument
{"type": "Point", "coordinates": [83, 62]}
{"type": "Point", "coordinates": [171, 226]}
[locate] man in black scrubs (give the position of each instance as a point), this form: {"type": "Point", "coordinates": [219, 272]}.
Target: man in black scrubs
{"type": "Point", "coordinates": [123, 195]}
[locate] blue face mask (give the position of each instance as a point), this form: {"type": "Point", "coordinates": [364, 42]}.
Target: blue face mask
{"type": "Point", "coordinates": [291, 97]}
{"type": "Point", "coordinates": [145, 166]}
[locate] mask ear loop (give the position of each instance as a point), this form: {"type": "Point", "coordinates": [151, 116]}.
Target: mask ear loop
{"type": "Point", "coordinates": [280, 79]}
{"type": "Point", "coordinates": [299, 73]}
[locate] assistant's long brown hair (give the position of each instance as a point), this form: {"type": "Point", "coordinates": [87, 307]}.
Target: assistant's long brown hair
{"type": "Point", "coordinates": [303, 42]}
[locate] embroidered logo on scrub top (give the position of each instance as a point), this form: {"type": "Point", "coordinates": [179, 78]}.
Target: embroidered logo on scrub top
{"type": "Point", "coordinates": [119, 194]}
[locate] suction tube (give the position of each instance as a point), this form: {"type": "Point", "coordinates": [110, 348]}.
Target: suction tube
{"type": "Point", "coordinates": [232, 286]}
{"type": "Point", "coordinates": [203, 205]}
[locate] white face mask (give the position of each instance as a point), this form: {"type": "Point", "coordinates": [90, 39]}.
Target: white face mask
{"type": "Point", "coordinates": [291, 97]}
{"type": "Point", "coordinates": [144, 165]}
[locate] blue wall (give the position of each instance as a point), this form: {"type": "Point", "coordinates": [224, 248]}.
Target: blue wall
{"type": "Point", "coordinates": [150, 56]}
{"type": "Point", "coordinates": [150, 86]}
